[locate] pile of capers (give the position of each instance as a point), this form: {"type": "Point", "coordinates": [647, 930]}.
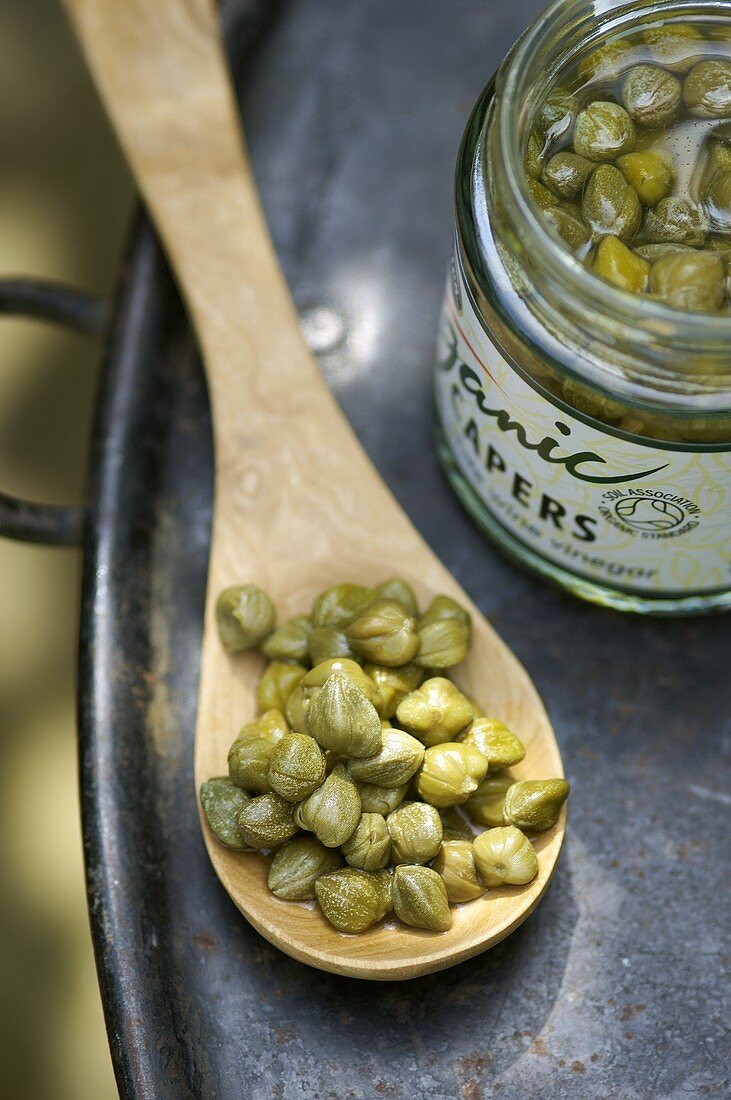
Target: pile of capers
{"type": "Point", "coordinates": [368, 772]}
{"type": "Point", "coordinates": [629, 161]}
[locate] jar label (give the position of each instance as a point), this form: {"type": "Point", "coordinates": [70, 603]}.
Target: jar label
{"type": "Point", "coordinates": [646, 518]}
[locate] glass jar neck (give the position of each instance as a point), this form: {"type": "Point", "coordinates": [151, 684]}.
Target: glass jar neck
{"type": "Point", "coordinates": [615, 340]}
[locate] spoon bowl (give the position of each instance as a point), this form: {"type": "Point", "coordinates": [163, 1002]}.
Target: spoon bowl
{"type": "Point", "coordinates": [298, 504]}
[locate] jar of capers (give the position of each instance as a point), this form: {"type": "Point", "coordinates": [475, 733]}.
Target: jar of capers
{"type": "Point", "coordinates": [368, 780]}
{"type": "Point", "coordinates": [583, 372]}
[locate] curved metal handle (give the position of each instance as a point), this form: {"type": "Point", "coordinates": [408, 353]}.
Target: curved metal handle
{"type": "Point", "coordinates": [21, 519]}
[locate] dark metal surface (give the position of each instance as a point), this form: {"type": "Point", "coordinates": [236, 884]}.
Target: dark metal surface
{"type": "Point", "coordinates": [615, 987]}
{"type": "Point", "coordinates": [47, 301]}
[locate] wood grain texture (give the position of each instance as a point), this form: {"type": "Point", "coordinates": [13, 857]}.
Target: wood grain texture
{"type": "Point", "coordinates": [298, 504]}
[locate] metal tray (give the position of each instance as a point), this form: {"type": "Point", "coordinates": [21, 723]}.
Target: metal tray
{"type": "Point", "coordinates": [614, 988]}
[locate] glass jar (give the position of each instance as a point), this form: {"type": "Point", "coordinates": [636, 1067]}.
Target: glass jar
{"type": "Point", "coordinates": [587, 431]}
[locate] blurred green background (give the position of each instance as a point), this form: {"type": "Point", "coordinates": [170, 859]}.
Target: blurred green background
{"type": "Point", "coordinates": [65, 205]}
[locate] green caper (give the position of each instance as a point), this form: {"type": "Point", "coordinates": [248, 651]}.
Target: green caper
{"type": "Point", "coordinates": [570, 226]}
{"type": "Point", "coordinates": [271, 725]}
{"type": "Point", "coordinates": [302, 698]}
{"type": "Point", "coordinates": [380, 800]}
{"type": "Point", "coordinates": [674, 45]}
{"type": "Point", "coordinates": [651, 96]}
{"type": "Point", "coordinates": [555, 116]}
{"type": "Point", "coordinates": [394, 684]}
{"type": "Point", "coordinates": [649, 173]}
{"type": "Point", "coordinates": [455, 864]}
{"type": "Point", "coordinates": [654, 252]}
{"type": "Point", "coordinates": [248, 762]}
{"type": "Point", "coordinates": [454, 825]}
{"type": "Point", "coordinates": [535, 154]}
{"type": "Point", "coordinates": [436, 712]}
{"type": "Point", "coordinates": [297, 866]}
{"type": "Point", "coordinates": [384, 633]}
{"type": "Point", "coordinates": [675, 220]}
{"type": "Point", "coordinates": [719, 148]}
{"type": "Point", "coordinates": [541, 195]}
{"type": "Point", "coordinates": [565, 175]}
{"type": "Point", "coordinates": [611, 207]}
{"type": "Point", "coordinates": [534, 804]}
{"type": "Point", "coordinates": [617, 264]}
{"type": "Point", "coordinates": [267, 821]}
{"type": "Point", "coordinates": [494, 740]}
{"type": "Point", "coordinates": [444, 607]}
{"type": "Point", "coordinates": [450, 774]}
{"type": "Point", "coordinates": [707, 89]}
{"type": "Point", "coordinates": [339, 605]}
{"type": "Point", "coordinates": [442, 642]}
{"type": "Point", "coordinates": [416, 833]}
{"type": "Point", "coordinates": [289, 641]}
{"type": "Point", "coordinates": [719, 201]}
{"type": "Point", "coordinates": [397, 760]}
{"type": "Point", "coordinates": [222, 803]}
{"type": "Point", "coordinates": [296, 767]}
{"type": "Point", "coordinates": [332, 812]}
{"type": "Point", "coordinates": [505, 857]}
{"type": "Point", "coordinates": [420, 898]}
{"type": "Point", "coordinates": [352, 900]}
{"type": "Point", "coordinates": [590, 401]}
{"type": "Point", "coordinates": [325, 642]}
{"type": "Point", "coordinates": [369, 848]}
{"type": "Point", "coordinates": [604, 131]}
{"type": "Point", "coordinates": [606, 62]}
{"type": "Point", "coordinates": [277, 683]}
{"type": "Point", "coordinates": [245, 616]}
{"type": "Point", "coordinates": [721, 245]}
{"type": "Point", "coordinates": [343, 719]}
{"type": "Point", "coordinates": [694, 282]}
{"type": "Point", "coordinates": [486, 805]}
{"type": "Point", "coordinates": [395, 588]}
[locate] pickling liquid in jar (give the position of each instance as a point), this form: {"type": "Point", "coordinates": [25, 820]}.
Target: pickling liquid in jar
{"type": "Point", "coordinates": [583, 368]}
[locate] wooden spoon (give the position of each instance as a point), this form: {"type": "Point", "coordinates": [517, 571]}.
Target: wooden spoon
{"type": "Point", "coordinates": [298, 505]}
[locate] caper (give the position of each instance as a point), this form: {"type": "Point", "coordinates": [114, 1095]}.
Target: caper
{"type": "Point", "coordinates": [339, 605]}
{"type": "Point", "coordinates": [384, 633]}
{"type": "Point", "coordinates": [351, 900]}
{"type": "Point", "coordinates": [444, 607]}
{"type": "Point", "coordinates": [707, 89]}
{"type": "Point", "coordinates": [343, 719]}
{"type": "Point", "coordinates": [541, 195]}
{"type": "Point", "coordinates": [369, 848]}
{"type": "Point", "coordinates": [450, 774]}
{"type": "Point", "coordinates": [320, 674]}
{"type": "Point", "coordinates": [654, 252]}
{"type": "Point", "coordinates": [332, 812]}
{"type": "Point", "coordinates": [590, 401]}
{"type": "Point", "coordinates": [720, 148]}
{"type": "Point", "coordinates": [416, 833]}
{"type": "Point", "coordinates": [604, 131]}
{"type": "Point", "coordinates": [222, 803]}
{"type": "Point", "coordinates": [296, 767]}
{"type": "Point", "coordinates": [296, 867]}
{"type": "Point", "coordinates": [277, 683]}
{"type": "Point", "coordinates": [694, 282]}
{"type": "Point", "coordinates": [674, 45]}
{"type": "Point", "coordinates": [721, 245]}
{"type": "Point", "coordinates": [505, 857]}
{"type": "Point", "coordinates": [619, 265]}
{"type": "Point", "coordinates": [570, 226]}
{"type": "Point", "coordinates": [436, 712]}
{"type": "Point", "coordinates": [486, 805]}
{"type": "Point", "coordinates": [651, 95]}
{"type": "Point", "coordinates": [394, 684]}
{"type": "Point", "coordinates": [267, 821]}
{"type": "Point", "coordinates": [494, 740]}
{"type": "Point", "coordinates": [420, 898]}
{"type": "Point", "coordinates": [565, 175]}
{"type": "Point", "coordinates": [248, 762]}
{"type": "Point", "coordinates": [397, 760]}
{"type": "Point", "coordinates": [454, 826]}
{"type": "Point", "coordinates": [555, 116]}
{"type": "Point", "coordinates": [719, 201]}
{"type": "Point", "coordinates": [443, 642]}
{"type": "Point", "coordinates": [271, 725]}
{"type": "Point", "coordinates": [606, 62]}
{"type": "Point", "coordinates": [289, 641]}
{"type": "Point", "coordinates": [398, 589]}
{"type": "Point", "coordinates": [535, 154]}
{"type": "Point", "coordinates": [611, 207]}
{"type": "Point", "coordinates": [245, 616]}
{"type": "Point", "coordinates": [455, 864]}
{"type": "Point", "coordinates": [325, 642]}
{"type": "Point", "coordinates": [675, 220]}
{"type": "Point", "coordinates": [380, 800]}
{"type": "Point", "coordinates": [534, 804]}
{"type": "Point", "coordinates": [649, 173]}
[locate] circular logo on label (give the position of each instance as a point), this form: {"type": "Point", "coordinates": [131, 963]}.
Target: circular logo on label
{"type": "Point", "coordinates": [647, 514]}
